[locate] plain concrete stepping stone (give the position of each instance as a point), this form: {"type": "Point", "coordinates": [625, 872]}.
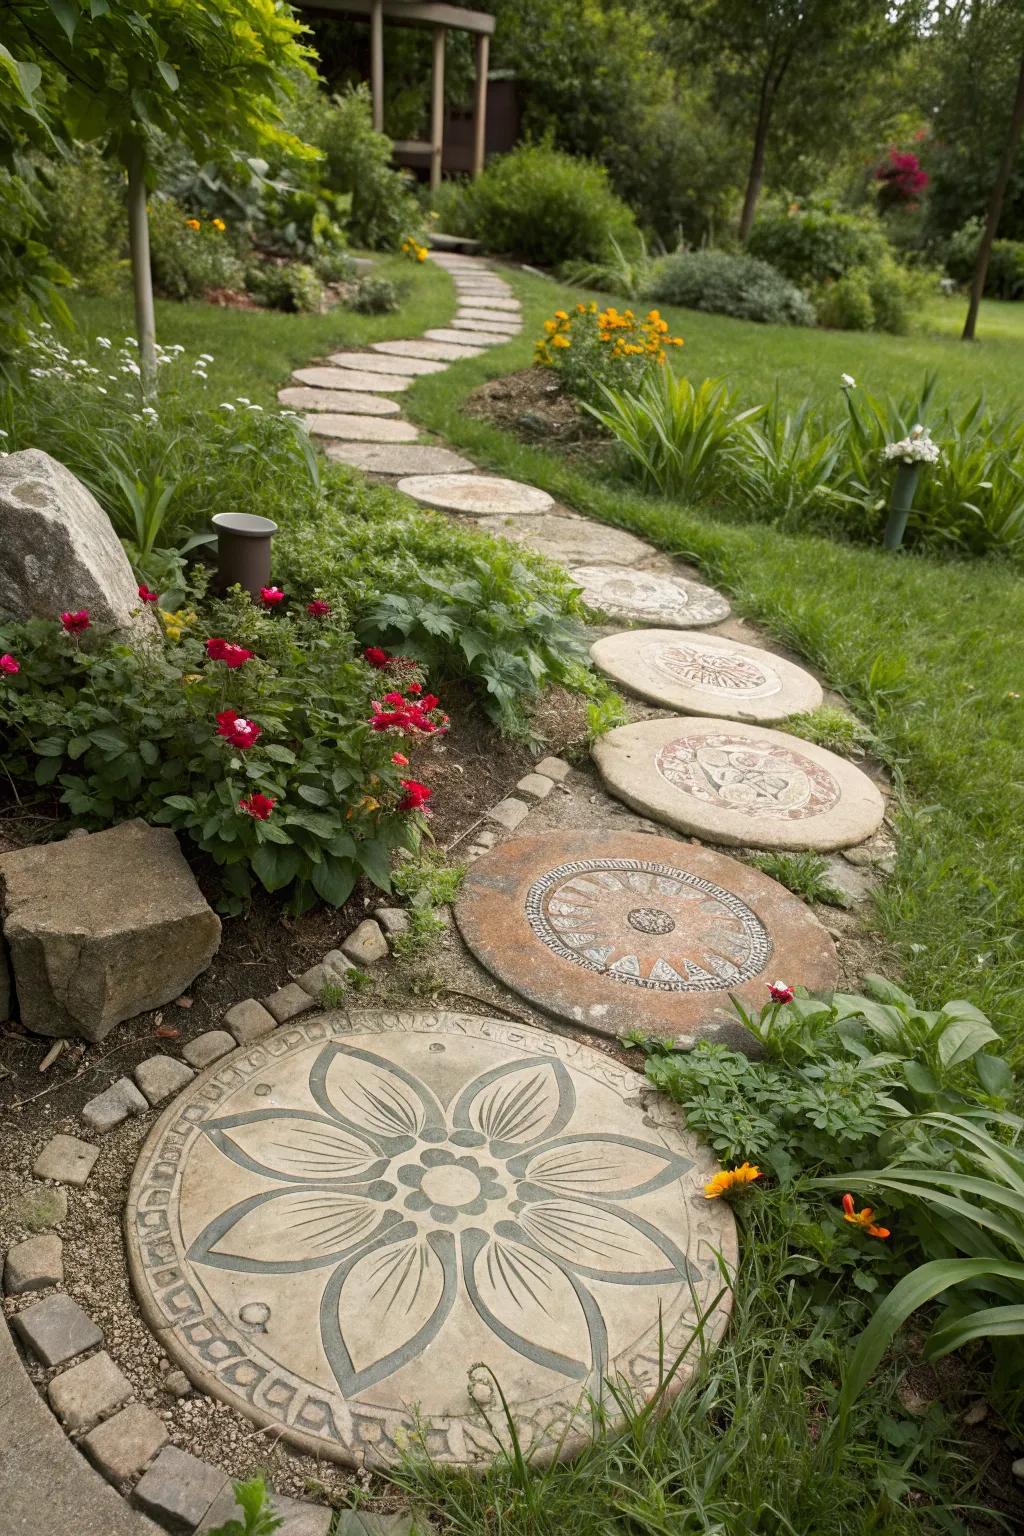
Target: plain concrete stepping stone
{"type": "Point", "coordinates": [160, 1076]}
{"type": "Point", "coordinates": [347, 1219]}
{"type": "Point", "coordinates": [123, 1446]}
{"type": "Point", "coordinates": [87, 1392]}
{"type": "Point", "coordinates": [66, 1160]}
{"type": "Point", "coordinates": [572, 540]}
{"type": "Point", "coordinates": [392, 367]}
{"type": "Point", "coordinates": [56, 1329]}
{"type": "Point", "coordinates": [353, 400]}
{"type": "Point", "coordinates": [34, 1265]}
{"type": "Point", "coordinates": [300, 1518]}
{"type": "Point", "coordinates": [707, 675]}
{"type": "Point", "coordinates": [479, 338]}
{"type": "Point", "coordinates": [739, 784]}
{"type": "Point", "coordinates": [361, 429]}
{"type": "Point", "coordinates": [614, 930]}
{"type": "Point", "coordinates": [436, 351]}
{"type": "Point", "coordinates": [249, 1021]}
{"type": "Point", "coordinates": [342, 378]}
{"type": "Point", "coordinates": [486, 320]}
{"type": "Point", "coordinates": [647, 597]}
{"type": "Point", "coordinates": [178, 1490]}
{"type": "Point", "coordinates": [487, 494]}
{"type": "Point", "coordinates": [205, 1049]}
{"type": "Point", "coordinates": [114, 1105]}
{"type": "Point", "coordinates": [398, 458]}
{"type": "Point", "coordinates": [490, 299]}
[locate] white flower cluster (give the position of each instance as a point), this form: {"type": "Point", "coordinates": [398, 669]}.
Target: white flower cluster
{"type": "Point", "coordinates": [916, 448]}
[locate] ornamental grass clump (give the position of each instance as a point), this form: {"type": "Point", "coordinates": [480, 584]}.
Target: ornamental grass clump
{"type": "Point", "coordinates": [590, 349]}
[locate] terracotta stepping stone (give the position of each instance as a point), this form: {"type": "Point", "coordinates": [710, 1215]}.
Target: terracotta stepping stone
{"type": "Point", "coordinates": [347, 379]}
{"type": "Point", "coordinates": [616, 931]}
{"type": "Point", "coordinates": [365, 1209]}
{"type": "Point", "coordinates": [743, 784]}
{"type": "Point", "coordinates": [398, 458]}
{"type": "Point", "coordinates": [303, 398]}
{"type": "Point", "coordinates": [476, 493]}
{"type": "Point", "coordinates": [707, 675]}
{"type": "Point", "coordinates": [640, 596]}
{"type": "Point", "coordinates": [361, 429]}
{"type": "Point", "coordinates": [437, 351]}
{"type": "Point", "coordinates": [394, 366]}
{"type": "Point", "coordinates": [570, 540]}
{"type": "Point", "coordinates": [480, 337]}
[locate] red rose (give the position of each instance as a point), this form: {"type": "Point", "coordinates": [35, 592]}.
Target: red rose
{"type": "Point", "coordinates": [271, 596]}
{"type": "Point", "coordinates": [74, 623]}
{"type": "Point", "coordinates": [257, 805]}
{"type": "Point", "coordinates": [231, 655]}
{"type": "Point", "coordinates": [239, 732]}
{"type": "Point", "coordinates": [9, 664]}
{"type": "Point", "coordinates": [415, 797]}
{"type": "Point", "coordinates": [781, 992]}
{"type": "Point", "coordinates": [317, 609]}
{"type": "Point", "coordinates": [398, 758]}
{"type": "Point", "coordinates": [377, 658]}
{"type": "Point", "coordinates": [148, 596]}
{"type": "Point", "coordinates": [415, 688]}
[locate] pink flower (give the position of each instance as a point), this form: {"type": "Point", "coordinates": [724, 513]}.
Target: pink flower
{"type": "Point", "coordinates": [9, 664]}
{"type": "Point", "coordinates": [415, 688]}
{"type": "Point", "coordinates": [232, 656]}
{"type": "Point", "coordinates": [75, 623]}
{"type": "Point", "coordinates": [148, 596]}
{"type": "Point", "coordinates": [398, 758]}
{"type": "Point", "coordinates": [239, 732]}
{"type": "Point", "coordinates": [781, 992]}
{"type": "Point", "coordinates": [257, 805]}
{"type": "Point", "coordinates": [415, 797]}
{"type": "Point", "coordinates": [317, 609]}
{"type": "Point", "coordinates": [272, 596]}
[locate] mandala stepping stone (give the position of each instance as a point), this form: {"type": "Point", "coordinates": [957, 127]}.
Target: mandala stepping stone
{"type": "Point", "coordinates": [741, 784]}
{"type": "Point", "coordinates": [476, 493]}
{"type": "Point", "coordinates": [435, 351]}
{"type": "Point", "coordinates": [361, 429]}
{"type": "Point", "coordinates": [302, 398]}
{"type": "Point", "coordinates": [336, 1232]}
{"type": "Point", "coordinates": [570, 540]}
{"type": "Point", "coordinates": [707, 675]}
{"type": "Point", "coordinates": [618, 931]}
{"type": "Point", "coordinates": [480, 338]}
{"type": "Point", "coordinates": [646, 596]}
{"type": "Point", "coordinates": [398, 458]}
{"type": "Point", "coordinates": [344, 379]}
{"type": "Point", "coordinates": [392, 366]}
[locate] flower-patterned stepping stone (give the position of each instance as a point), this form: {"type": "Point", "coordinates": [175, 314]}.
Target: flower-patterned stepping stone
{"type": "Point", "coordinates": [361, 429]}
{"type": "Point", "coordinates": [339, 378]}
{"type": "Point", "coordinates": [476, 493]}
{"type": "Point", "coordinates": [395, 367]}
{"type": "Point", "coordinates": [571, 540]}
{"type": "Point", "coordinates": [398, 458]}
{"type": "Point", "coordinates": [434, 351]}
{"type": "Point", "coordinates": [331, 1230]}
{"type": "Point", "coordinates": [707, 675]}
{"type": "Point", "coordinates": [480, 338]}
{"type": "Point", "coordinates": [645, 596]}
{"type": "Point", "coordinates": [621, 930]}
{"type": "Point", "coordinates": [352, 400]}
{"type": "Point", "coordinates": [742, 784]}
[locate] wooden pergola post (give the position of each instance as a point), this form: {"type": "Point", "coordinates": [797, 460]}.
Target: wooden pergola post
{"type": "Point", "coordinates": [483, 54]}
{"type": "Point", "coordinates": [437, 109]}
{"type": "Point", "coordinates": [377, 63]}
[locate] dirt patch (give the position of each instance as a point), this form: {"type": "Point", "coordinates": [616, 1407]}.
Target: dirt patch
{"type": "Point", "coordinates": [534, 408]}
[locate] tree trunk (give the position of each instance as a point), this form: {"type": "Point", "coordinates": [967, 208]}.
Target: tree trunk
{"type": "Point", "coordinates": [755, 175]}
{"type": "Point", "coordinates": [995, 208]}
{"type": "Point", "coordinates": [142, 276]}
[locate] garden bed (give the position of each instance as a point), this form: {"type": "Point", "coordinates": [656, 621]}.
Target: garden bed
{"type": "Point", "coordinates": [534, 408]}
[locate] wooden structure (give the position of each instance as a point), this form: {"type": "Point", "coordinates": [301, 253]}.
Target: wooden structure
{"type": "Point", "coordinates": [439, 18]}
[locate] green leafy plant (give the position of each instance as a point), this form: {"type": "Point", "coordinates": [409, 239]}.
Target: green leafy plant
{"type": "Point", "coordinates": [721, 283]}
{"type": "Point", "coordinates": [258, 1518]}
{"type": "Point", "coordinates": [604, 713]}
{"type": "Point", "coordinates": [805, 874]}
{"type": "Point", "coordinates": [290, 285]}
{"type": "Point", "coordinates": [816, 242]}
{"type": "Point", "coordinates": [624, 272]}
{"type": "Point", "coordinates": [375, 296]}
{"type": "Point", "coordinates": [190, 256]}
{"type": "Point", "coordinates": [833, 728]}
{"type": "Point", "coordinates": [383, 210]}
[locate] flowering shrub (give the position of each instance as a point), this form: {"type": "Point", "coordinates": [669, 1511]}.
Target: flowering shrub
{"type": "Point", "coordinates": [271, 751]}
{"type": "Point", "coordinates": [414, 250]}
{"type": "Point", "coordinates": [901, 180]}
{"type": "Point", "coordinates": [190, 256]}
{"type": "Point", "coordinates": [591, 347]}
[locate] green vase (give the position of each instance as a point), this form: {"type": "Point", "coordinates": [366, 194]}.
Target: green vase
{"type": "Point", "coordinates": [900, 503]}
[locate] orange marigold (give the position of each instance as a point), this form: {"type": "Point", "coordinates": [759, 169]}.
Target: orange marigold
{"type": "Point", "coordinates": [729, 1179]}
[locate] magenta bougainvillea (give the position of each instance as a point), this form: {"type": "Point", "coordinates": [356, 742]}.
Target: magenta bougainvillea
{"type": "Point", "coordinates": [901, 179]}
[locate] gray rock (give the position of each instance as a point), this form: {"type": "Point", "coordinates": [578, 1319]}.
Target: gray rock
{"type": "Point", "coordinates": [248, 1021]}
{"type": "Point", "coordinates": [56, 1329]}
{"type": "Point", "coordinates": [509, 812]}
{"type": "Point", "coordinates": [33, 1265]}
{"type": "Point", "coordinates": [66, 1159]}
{"type": "Point", "coordinates": [206, 1049]}
{"type": "Point", "coordinates": [103, 927]}
{"type": "Point", "coordinates": [300, 1518]}
{"type": "Point", "coordinates": [115, 1104]}
{"type": "Point", "coordinates": [330, 972]}
{"type": "Point", "coordinates": [61, 551]}
{"type": "Point", "coordinates": [366, 944]}
{"type": "Point", "coordinates": [288, 1002]}
{"type": "Point", "coordinates": [178, 1490]}
{"type": "Point", "coordinates": [537, 785]}
{"type": "Point", "coordinates": [160, 1076]}
{"type": "Point", "coordinates": [87, 1392]}
{"type": "Point", "coordinates": [177, 1384]}
{"type": "Point", "coordinates": [393, 920]}
{"type": "Point", "coordinates": [554, 768]}
{"type": "Point", "coordinates": [39, 1209]}
{"type": "Point", "coordinates": [123, 1446]}
{"type": "Point", "coordinates": [1017, 1468]}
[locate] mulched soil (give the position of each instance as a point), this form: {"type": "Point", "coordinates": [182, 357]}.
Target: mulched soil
{"type": "Point", "coordinates": [532, 406]}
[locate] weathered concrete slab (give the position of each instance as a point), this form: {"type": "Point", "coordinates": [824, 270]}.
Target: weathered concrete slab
{"type": "Point", "coordinates": [357, 402]}
{"type": "Point", "coordinates": [391, 367]}
{"type": "Point", "coordinates": [484, 495]}
{"type": "Point", "coordinates": [399, 458]}
{"type": "Point", "coordinates": [433, 351]}
{"type": "Point", "coordinates": [360, 429]}
{"type": "Point", "coordinates": [319, 377]}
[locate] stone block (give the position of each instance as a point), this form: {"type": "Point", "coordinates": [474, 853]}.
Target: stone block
{"type": "Point", "coordinates": [124, 1446]}
{"type": "Point", "coordinates": [88, 1392]}
{"type": "Point", "coordinates": [56, 1329]}
{"type": "Point", "coordinates": [486, 838]}
{"type": "Point", "coordinates": [33, 1265]}
{"type": "Point", "coordinates": [300, 1518]}
{"type": "Point", "coordinates": [178, 1490]}
{"type": "Point", "coordinates": [40, 1208]}
{"type": "Point", "coordinates": [206, 1049]}
{"type": "Point", "coordinates": [160, 1076]}
{"type": "Point", "coordinates": [61, 551]}
{"type": "Point", "coordinates": [115, 1104]}
{"type": "Point", "coordinates": [103, 927]}
{"type": "Point", "coordinates": [288, 1002]}
{"type": "Point", "coordinates": [66, 1159]}
{"type": "Point", "coordinates": [509, 812]}
{"type": "Point", "coordinates": [393, 920]}
{"type": "Point", "coordinates": [537, 785]}
{"type": "Point", "coordinates": [248, 1021]}
{"type": "Point", "coordinates": [331, 971]}
{"type": "Point", "coordinates": [366, 944]}
{"type": "Point", "coordinates": [358, 1522]}
{"type": "Point", "coordinates": [555, 768]}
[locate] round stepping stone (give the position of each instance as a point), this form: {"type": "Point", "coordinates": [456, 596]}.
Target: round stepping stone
{"type": "Point", "coordinates": [707, 675]}
{"type": "Point", "coordinates": [398, 459]}
{"type": "Point", "coordinates": [640, 596]}
{"type": "Point", "coordinates": [571, 540]}
{"type": "Point", "coordinates": [367, 1206]}
{"type": "Point", "coordinates": [742, 784]}
{"type": "Point", "coordinates": [395, 367]}
{"type": "Point", "coordinates": [361, 429]}
{"type": "Point", "coordinates": [480, 338]}
{"type": "Point", "coordinates": [340, 378]}
{"type": "Point", "coordinates": [476, 493]}
{"type": "Point", "coordinates": [620, 931]}
{"type": "Point", "coordinates": [339, 400]}
{"type": "Point", "coordinates": [436, 351]}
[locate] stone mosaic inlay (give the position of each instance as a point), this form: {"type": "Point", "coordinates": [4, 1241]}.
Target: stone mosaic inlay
{"type": "Point", "coordinates": [644, 595]}
{"type": "Point", "coordinates": [726, 674]}
{"type": "Point", "coordinates": [747, 776]}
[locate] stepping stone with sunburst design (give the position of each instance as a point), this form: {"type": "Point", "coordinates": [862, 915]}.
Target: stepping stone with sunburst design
{"type": "Point", "coordinates": [643, 596]}
{"type": "Point", "coordinates": [707, 675]}
{"type": "Point", "coordinates": [730, 782]}
{"type": "Point", "coordinates": [337, 1230]}
{"type": "Point", "coordinates": [618, 931]}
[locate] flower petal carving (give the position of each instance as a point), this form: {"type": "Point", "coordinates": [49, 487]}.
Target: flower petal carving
{"type": "Point", "coordinates": [375, 1097]}
{"type": "Point", "coordinates": [402, 1288]}
{"type": "Point", "coordinates": [297, 1146]}
{"type": "Point", "coordinates": [517, 1104]}
{"type": "Point", "coordinates": [291, 1230]}
{"type": "Point", "coordinates": [608, 1167]}
{"type": "Point", "coordinates": [601, 1243]}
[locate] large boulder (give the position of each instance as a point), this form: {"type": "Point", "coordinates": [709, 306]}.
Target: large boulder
{"type": "Point", "coordinates": [58, 549]}
{"type": "Point", "coordinates": [102, 927]}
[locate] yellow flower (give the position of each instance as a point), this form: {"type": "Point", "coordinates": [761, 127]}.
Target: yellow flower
{"type": "Point", "coordinates": [192, 677]}
{"type": "Point", "coordinates": [369, 804]}
{"type": "Point", "coordinates": [192, 224]}
{"type": "Point", "coordinates": [729, 1179]}
{"type": "Point", "coordinates": [560, 314]}
{"type": "Point", "coordinates": [560, 341]}
{"type": "Point", "coordinates": [219, 225]}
